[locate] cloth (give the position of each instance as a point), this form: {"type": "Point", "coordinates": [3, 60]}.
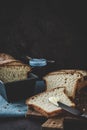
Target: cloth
{"type": "Point", "coordinates": [15, 109]}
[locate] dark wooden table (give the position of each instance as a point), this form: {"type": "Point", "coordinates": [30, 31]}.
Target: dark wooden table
{"type": "Point", "coordinates": [20, 124]}
{"type": "Point", "coordinates": [35, 124]}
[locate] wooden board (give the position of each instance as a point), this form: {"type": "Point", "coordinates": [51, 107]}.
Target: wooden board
{"type": "Point", "coordinates": [57, 122]}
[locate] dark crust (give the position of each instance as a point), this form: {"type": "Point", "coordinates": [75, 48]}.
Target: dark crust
{"type": "Point", "coordinates": [7, 61]}
{"type": "Point", "coordinates": [13, 63]}
{"type": "Point", "coordinates": [59, 73]}
{"type": "Point", "coordinates": [46, 114]}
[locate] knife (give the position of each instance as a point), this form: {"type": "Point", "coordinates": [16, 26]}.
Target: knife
{"type": "Point", "coordinates": [71, 110]}
{"type": "Point", "coordinates": [67, 108]}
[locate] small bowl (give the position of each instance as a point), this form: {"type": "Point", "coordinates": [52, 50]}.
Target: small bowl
{"type": "Point", "coordinates": [37, 62]}
{"type": "Point", "coordinates": [19, 90]}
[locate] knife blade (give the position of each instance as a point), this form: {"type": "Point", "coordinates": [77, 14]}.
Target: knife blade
{"type": "Point", "coordinates": [71, 110]}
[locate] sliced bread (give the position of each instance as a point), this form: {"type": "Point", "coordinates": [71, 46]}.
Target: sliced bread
{"type": "Point", "coordinates": [12, 69]}
{"type": "Point", "coordinates": [41, 104]}
{"type": "Point", "coordinates": [70, 80]}
{"type": "Point", "coordinates": [82, 72]}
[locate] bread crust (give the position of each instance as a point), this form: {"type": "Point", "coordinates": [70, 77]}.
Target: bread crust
{"type": "Point", "coordinates": [67, 71]}
{"type": "Point", "coordinates": [47, 115]}
{"type": "Point", "coordinates": [6, 56]}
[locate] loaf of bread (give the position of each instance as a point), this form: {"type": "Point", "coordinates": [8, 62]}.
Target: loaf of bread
{"type": "Point", "coordinates": [41, 103]}
{"type": "Point", "coordinates": [12, 69]}
{"type": "Point", "coordinates": [73, 80]}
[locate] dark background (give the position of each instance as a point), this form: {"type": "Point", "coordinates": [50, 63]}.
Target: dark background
{"type": "Point", "coordinates": [50, 29]}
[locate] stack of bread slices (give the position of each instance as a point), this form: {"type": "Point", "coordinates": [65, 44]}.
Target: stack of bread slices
{"type": "Point", "coordinates": [62, 84]}
{"type": "Point", "coordinates": [12, 69]}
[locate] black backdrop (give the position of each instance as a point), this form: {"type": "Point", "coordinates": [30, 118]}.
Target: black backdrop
{"type": "Point", "coordinates": [49, 29]}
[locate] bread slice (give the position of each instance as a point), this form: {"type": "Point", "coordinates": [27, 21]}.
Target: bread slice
{"type": "Point", "coordinates": [79, 81]}
{"type": "Point", "coordinates": [71, 82]}
{"type": "Point", "coordinates": [12, 69]}
{"type": "Point", "coordinates": [40, 102]}
{"type": "Point", "coordinates": [82, 72]}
